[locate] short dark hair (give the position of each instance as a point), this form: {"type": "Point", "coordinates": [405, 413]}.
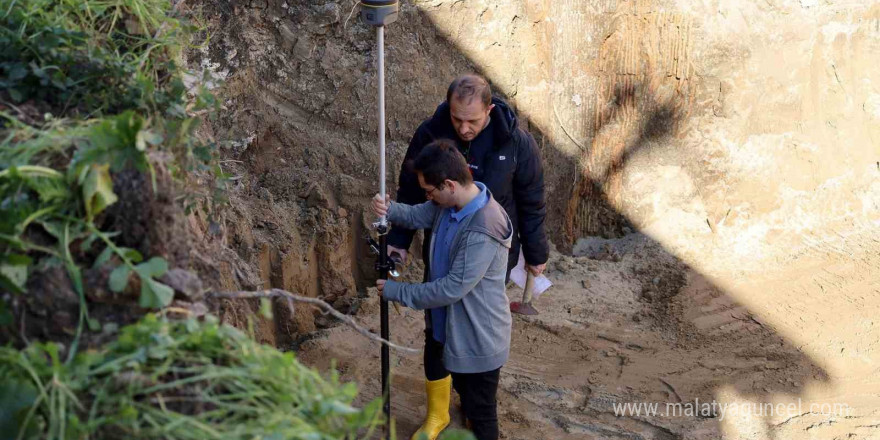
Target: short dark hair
{"type": "Point", "coordinates": [440, 160]}
{"type": "Point", "coordinates": [468, 86]}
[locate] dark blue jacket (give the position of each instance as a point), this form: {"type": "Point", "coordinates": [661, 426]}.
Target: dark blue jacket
{"type": "Point", "coordinates": [506, 159]}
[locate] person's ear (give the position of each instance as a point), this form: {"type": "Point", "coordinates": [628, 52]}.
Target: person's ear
{"type": "Point", "coordinates": [491, 106]}
{"type": "Point", "coordinates": [451, 184]}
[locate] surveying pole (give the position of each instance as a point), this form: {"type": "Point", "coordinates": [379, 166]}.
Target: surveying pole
{"type": "Point", "coordinates": [378, 13]}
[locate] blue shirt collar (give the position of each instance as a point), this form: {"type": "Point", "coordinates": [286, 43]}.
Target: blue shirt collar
{"type": "Point", "coordinates": [473, 206]}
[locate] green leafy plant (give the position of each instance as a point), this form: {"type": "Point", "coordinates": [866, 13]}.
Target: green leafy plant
{"type": "Point", "coordinates": [90, 57]}
{"type": "Point", "coordinates": [104, 79]}
{"type": "Point", "coordinates": [456, 434]}
{"type": "Point", "coordinates": [183, 380]}
{"type": "Point", "coordinates": [66, 205]}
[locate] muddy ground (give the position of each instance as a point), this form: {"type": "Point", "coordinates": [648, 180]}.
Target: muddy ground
{"type": "Point", "coordinates": [633, 325]}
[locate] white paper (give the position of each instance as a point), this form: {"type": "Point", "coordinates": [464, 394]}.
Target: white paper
{"type": "Point", "coordinates": [518, 276]}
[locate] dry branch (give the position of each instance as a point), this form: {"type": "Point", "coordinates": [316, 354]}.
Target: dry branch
{"type": "Point", "coordinates": [275, 293]}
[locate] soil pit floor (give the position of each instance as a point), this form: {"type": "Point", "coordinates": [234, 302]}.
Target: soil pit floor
{"type": "Point", "coordinates": [628, 323]}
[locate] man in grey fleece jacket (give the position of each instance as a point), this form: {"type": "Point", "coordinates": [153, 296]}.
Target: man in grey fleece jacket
{"type": "Point", "coordinates": [470, 315]}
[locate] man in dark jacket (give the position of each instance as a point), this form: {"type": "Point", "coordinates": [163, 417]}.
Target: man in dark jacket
{"type": "Point", "coordinates": [506, 159]}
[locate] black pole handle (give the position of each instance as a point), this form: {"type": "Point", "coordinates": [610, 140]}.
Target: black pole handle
{"type": "Point", "coordinates": [383, 267]}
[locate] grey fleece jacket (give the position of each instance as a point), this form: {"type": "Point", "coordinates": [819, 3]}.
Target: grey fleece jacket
{"type": "Point", "coordinates": [478, 318]}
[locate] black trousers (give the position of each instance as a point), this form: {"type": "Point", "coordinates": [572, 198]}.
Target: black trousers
{"type": "Point", "coordinates": [477, 390]}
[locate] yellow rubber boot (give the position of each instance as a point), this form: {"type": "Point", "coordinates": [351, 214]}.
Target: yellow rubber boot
{"type": "Point", "coordinates": [438, 408]}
